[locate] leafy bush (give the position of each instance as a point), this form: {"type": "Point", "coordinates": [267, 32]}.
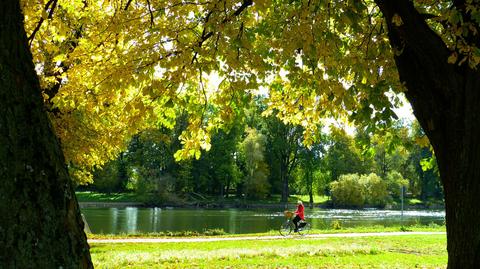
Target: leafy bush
{"type": "Point", "coordinates": [395, 181]}
{"type": "Point", "coordinates": [106, 179]}
{"type": "Point", "coordinates": [336, 225]}
{"type": "Point", "coordinates": [353, 190]}
{"type": "Point", "coordinates": [348, 191]}
{"type": "Point", "coordinates": [376, 193]}
{"type": "Point", "coordinates": [211, 232]}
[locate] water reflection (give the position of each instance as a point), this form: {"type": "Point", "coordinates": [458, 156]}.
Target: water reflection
{"type": "Point", "coordinates": [235, 221]}
{"type": "Point", "coordinates": [131, 215]}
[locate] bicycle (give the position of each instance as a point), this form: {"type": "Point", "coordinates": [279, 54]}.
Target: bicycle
{"type": "Point", "coordinates": [288, 226]}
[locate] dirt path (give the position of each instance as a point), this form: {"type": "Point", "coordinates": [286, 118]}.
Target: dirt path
{"type": "Point", "coordinates": [271, 237]}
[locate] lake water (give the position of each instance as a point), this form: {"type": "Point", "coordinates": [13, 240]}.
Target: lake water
{"type": "Point", "coordinates": [238, 221]}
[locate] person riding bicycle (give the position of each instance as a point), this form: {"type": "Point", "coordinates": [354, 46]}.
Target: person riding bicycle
{"type": "Point", "coordinates": [299, 214]}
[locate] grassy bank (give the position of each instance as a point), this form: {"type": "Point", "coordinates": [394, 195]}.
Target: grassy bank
{"type": "Point", "coordinates": [408, 251]}
{"type": "Point", "coordinates": [215, 201]}
{"type": "Point", "coordinates": [220, 233]}
{"type": "Point", "coordinates": [89, 196]}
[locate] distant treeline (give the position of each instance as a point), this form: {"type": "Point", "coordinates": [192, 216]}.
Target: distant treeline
{"type": "Point", "coordinates": [261, 156]}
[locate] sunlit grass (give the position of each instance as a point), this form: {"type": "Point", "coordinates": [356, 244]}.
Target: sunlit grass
{"type": "Point", "coordinates": [414, 201]}
{"type": "Point", "coordinates": [408, 251]}
{"type": "Point", "coordinates": [87, 196]}
{"type": "Point", "coordinates": [317, 199]}
{"type": "Point", "coordinates": [220, 233]}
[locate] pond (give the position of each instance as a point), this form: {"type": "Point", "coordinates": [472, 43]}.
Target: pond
{"type": "Point", "coordinates": [240, 221]}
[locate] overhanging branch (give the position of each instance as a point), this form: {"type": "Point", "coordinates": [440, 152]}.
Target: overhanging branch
{"type": "Point", "coordinates": [49, 7]}
{"type": "Point", "coordinates": [206, 35]}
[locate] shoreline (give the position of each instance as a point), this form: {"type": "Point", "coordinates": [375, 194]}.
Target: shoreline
{"type": "Point", "coordinates": [258, 237]}
{"type": "Point", "coordinates": [241, 206]}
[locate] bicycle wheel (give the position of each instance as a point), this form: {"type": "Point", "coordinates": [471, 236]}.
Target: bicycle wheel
{"type": "Point", "coordinates": [286, 228]}
{"type": "Point", "coordinates": [305, 229]}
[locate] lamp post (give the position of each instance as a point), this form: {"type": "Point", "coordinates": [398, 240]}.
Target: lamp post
{"type": "Point", "coordinates": [402, 191]}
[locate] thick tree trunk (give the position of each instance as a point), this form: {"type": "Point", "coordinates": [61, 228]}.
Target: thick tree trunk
{"type": "Point", "coordinates": [458, 158]}
{"type": "Point", "coordinates": [445, 99]}
{"type": "Point", "coordinates": [40, 222]}
{"type": "Point", "coordinates": [462, 214]}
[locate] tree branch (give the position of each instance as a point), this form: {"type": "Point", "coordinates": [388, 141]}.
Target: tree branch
{"type": "Point", "coordinates": [151, 13]}
{"type": "Point", "coordinates": [40, 22]}
{"type": "Point", "coordinates": [207, 35]}
{"type": "Point", "coordinates": [127, 5]}
{"type": "Point", "coordinates": [433, 85]}
{"type": "Point", "coordinates": [244, 5]}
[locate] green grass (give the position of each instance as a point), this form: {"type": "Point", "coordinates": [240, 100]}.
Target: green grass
{"type": "Point", "coordinates": [414, 202]}
{"type": "Point", "coordinates": [407, 251]}
{"type": "Point", "coordinates": [317, 199]}
{"type": "Point", "coordinates": [87, 196]}
{"type": "Point", "coordinates": [220, 233]}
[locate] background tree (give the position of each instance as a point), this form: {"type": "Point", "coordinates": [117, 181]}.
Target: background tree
{"type": "Point", "coordinates": [425, 166]}
{"type": "Point", "coordinates": [283, 143]}
{"type": "Point", "coordinates": [389, 153]}
{"type": "Point", "coordinates": [343, 157]}
{"type": "Point", "coordinates": [252, 154]}
{"type": "Point", "coordinates": [309, 168]}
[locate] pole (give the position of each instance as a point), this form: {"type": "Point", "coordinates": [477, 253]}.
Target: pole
{"type": "Point", "coordinates": [402, 189]}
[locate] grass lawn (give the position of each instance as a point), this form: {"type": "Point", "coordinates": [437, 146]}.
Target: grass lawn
{"type": "Point", "coordinates": [317, 199]}
{"type": "Point", "coordinates": [88, 196]}
{"type": "Point", "coordinates": [407, 251]}
{"type": "Point", "coordinates": [221, 233]}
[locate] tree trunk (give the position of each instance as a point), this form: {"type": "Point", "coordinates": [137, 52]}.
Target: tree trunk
{"type": "Point", "coordinates": [284, 179]}
{"type": "Point", "coordinates": [310, 184]}
{"type": "Point", "coordinates": [458, 157]}
{"type": "Point", "coordinates": [222, 190]}
{"type": "Point", "coordinates": [227, 188]}
{"type": "Point", "coordinates": [40, 223]}
{"type": "Point", "coordinates": [310, 194]}
{"type": "Point", "coordinates": [445, 99]}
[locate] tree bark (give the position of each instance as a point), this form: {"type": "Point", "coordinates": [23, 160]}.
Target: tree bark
{"type": "Point", "coordinates": [222, 189]}
{"type": "Point", "coordinates": [310, 194]}
{"type": "Point", "coordinates": [445, 99]}
{"type": "Point", "coordinates": [40, 223]}
{"type": "Point", "coordinates": [310, 186]}
{"type": "Point", "coordinates": [284, 179]}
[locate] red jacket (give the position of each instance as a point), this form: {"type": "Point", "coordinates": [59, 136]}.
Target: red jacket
{"type": "Point", "coordinates": [299, 212]}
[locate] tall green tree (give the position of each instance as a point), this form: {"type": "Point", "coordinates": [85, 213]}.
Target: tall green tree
{"type": "Point", "coordinates": [444, 100]}
{"type": "Point", "coordinates": [252, 155]}
{"type": "Point", "coordinates": [284, 144]}
{"type": "Point", "coordinates": [343, 156]}
{"type": "Point", "coordinates": [219, 164]}
{"type": "Point", "coordinates": [310, 159]}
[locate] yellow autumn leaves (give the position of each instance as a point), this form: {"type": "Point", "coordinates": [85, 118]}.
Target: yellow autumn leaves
{"type": "Point", "coordinates": [121, 67]}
